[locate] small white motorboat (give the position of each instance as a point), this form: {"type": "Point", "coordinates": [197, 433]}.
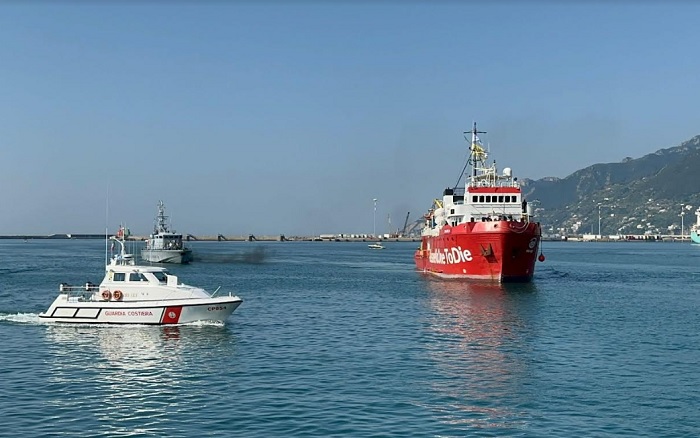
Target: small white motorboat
{"type": "Point", "coordinates": [375, 246]}
{"type": "Point", "coordinates": [137, 294]}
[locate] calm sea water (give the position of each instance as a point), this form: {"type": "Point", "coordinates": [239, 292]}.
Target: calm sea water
{"type": "Point", "coordinates": [334, 339]}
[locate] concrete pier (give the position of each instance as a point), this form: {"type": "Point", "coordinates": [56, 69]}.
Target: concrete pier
{"type": "Point", "coordinates": [220, 238]}
{"type": "Point", "coordinates": [323, 238]}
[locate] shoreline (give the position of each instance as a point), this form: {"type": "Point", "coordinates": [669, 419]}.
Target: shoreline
{"type": "Point", "coordinates": [322, 238]}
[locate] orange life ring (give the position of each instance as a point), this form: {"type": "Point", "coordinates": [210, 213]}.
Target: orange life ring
{"type": "Point", "coordinates": [118, 295]}
{"type": "Point", "coordinates": [106, 295]}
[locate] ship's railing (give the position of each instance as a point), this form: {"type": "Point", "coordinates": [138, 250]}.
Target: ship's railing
{"type": "Point", "coordinates": [79, 293]}
{"type": "Point", "coordinates": [87, 287]}
{"type": "Point", "coordinates": [492, 183]}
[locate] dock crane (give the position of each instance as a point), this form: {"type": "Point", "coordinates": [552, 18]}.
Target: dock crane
{"type": "Point", "coordinates": [405, 224]}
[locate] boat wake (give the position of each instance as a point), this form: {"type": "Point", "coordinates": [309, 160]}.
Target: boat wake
{"type": "Point", "coordinates": [203, 324]}
{"type": "Point", "coordinates": [553, 273]}
{"type": "Point", "coordinates": [33, 318]}
{"type": "Point", "coordinates": [20, 318]}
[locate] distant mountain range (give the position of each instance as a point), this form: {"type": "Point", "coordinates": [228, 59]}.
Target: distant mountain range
{"type": "Point", "coordinates": [635, 196]}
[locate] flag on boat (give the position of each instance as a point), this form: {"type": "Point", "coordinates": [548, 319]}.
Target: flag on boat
{"type": "Point", "coordinates": [477, 149]}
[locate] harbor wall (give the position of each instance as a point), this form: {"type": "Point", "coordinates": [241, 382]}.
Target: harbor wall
{"type": "Point", "coordinates": [336, 238]}
{"type": "Point", "coordinates": [218, 237]}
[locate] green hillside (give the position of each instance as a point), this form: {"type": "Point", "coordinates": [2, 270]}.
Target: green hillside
{"type": "Point", "coordinates": [635, 196]}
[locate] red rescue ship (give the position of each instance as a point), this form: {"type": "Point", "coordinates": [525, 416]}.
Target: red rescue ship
{"type": "Point", "coordinates": [482, 231]}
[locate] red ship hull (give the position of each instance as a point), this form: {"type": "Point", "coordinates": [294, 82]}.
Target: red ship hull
{"type": "Point", "coordinates": [497, 251]}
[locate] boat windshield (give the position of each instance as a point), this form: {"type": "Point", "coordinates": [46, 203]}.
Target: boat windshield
{"type": "Point", "coordinates": [161, 276]}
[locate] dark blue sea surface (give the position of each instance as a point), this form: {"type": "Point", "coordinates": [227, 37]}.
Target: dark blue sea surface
{"type": "Point", "coordinates": [335, 339]}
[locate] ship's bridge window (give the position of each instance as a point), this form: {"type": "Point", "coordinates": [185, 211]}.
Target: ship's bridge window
{"type": "Point", "coordinates": [119, 276]}
{"type": "Point", "coordinates": [507, 198]}
{"type": "Point", "coordinates": [488, 198]}
{"type": "Point", "coordinates": [475, 198]}
{"type": "Point", "coordinates": [500, 198]}
{"type": "Point", "coordinates": [481, 198]}
{"type": "Point", "coordinates": [137, 276]}
{"type": "Point", "coordinates": [162, 278]}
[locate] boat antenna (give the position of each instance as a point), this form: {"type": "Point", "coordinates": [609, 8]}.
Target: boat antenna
{"type": "Point", "coordinates": [161, 225]}
{"type": "Point", "coordinates": [476, 151]}
{"type": "Point", "coordinates": [107, 225]}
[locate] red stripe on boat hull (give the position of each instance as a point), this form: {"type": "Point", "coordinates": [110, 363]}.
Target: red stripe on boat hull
{"type": "Point", "coordinates": [171, 315]}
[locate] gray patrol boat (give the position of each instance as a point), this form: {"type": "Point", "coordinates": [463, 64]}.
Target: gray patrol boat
{"type": "Point", "coordinates": [165, 245]}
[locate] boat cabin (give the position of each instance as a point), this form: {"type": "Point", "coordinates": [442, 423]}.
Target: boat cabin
{"type": "Point", "coordinates": [487, 197]}
{"type": "Point", "coordinates": [123, 271]}
{"type": "Point", "coordinates": [165, 241]}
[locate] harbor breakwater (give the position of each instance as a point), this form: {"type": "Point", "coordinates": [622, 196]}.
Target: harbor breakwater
{"type": "Point", "coordinates": [330, 238]}
{"type": "Point", "coordinates": [220, 238]}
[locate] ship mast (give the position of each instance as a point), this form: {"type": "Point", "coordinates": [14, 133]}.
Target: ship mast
{"type": "Point", "coordinates": [476, 152]}
{"type": "Point", "coordinates": [161, 219]}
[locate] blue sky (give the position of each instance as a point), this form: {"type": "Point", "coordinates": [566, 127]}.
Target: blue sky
{"type": "Point", "coordinates": [288, 118]}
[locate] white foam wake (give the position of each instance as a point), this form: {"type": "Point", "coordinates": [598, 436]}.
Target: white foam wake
{"type": "Point", "coordinates": [203, 323]}
{"type": "Point", "coordinates": [33, 318]}
{"type": "Point", "coordinates": [21, 318]}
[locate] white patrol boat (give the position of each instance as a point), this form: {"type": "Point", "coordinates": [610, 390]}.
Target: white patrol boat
{"type": "Point", "coordinates": [137, 294]}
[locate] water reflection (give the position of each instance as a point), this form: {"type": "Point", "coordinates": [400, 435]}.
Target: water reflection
{"type": "Point", "coordinates": [125, 348]}
{"type": "Point", "coordinates": [480, 351]}
{"type": "Point", "coordinates": [131, 378]}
